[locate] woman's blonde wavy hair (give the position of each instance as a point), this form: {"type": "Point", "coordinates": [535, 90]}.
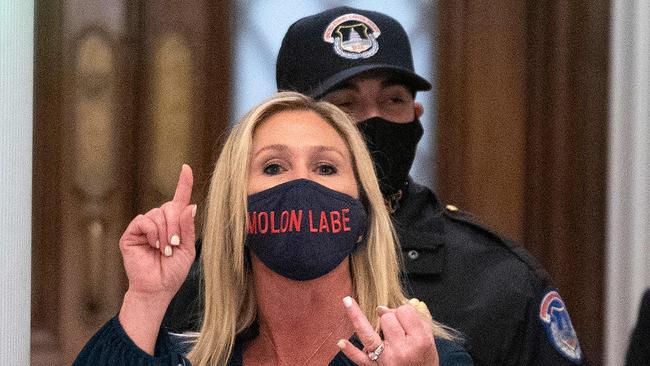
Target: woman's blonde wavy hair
{"type": "Point", "coordinates": [230, 305]}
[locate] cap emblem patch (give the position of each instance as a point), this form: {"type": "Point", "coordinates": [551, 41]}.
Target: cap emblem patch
{"type": "Point", "coordinates": [353, 36]}
{"type": "Point", "coordinates": [559, 330]}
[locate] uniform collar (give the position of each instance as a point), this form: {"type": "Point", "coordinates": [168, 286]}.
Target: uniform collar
{"type": "Point", "coordinates": [419, 222]}
{"type": "Point", "coordinates": [420, 212]}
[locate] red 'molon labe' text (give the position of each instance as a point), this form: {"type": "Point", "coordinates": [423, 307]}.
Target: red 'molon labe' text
{"type": "Point", "coordinates": [272, 222]}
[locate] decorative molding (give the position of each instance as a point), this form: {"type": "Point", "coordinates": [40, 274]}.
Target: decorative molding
{"type": "Point", "coordinates": [171, 112]}
{"type": "Point", "coordinates": [95, 156]}
{"type": "Point", "coordinates": [94, 138]}
{"type": "Point", "coordinates": [93, 187]}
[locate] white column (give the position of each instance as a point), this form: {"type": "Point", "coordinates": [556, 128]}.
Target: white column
{"type": "Point", "coordinates": [16, 80]}
{"type": "Point", "coordinates": [628, 226]}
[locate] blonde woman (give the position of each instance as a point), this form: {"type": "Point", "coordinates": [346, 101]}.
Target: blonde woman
{"type": "Point", "coordinates": [295, 231]}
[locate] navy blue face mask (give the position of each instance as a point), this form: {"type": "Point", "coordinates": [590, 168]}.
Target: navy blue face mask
{"type": "Point", "coordinates": [303, 230]}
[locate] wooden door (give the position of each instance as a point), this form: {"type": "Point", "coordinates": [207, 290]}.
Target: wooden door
{"type": "Point", "coordinates": [125, 92]}
{"type": "Point", "coordinates": [522, 135]}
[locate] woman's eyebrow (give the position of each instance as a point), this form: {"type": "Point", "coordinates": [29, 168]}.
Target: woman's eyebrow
{"type": "Point", "coordinates": [284, 149]}
{"type": "Point", "coordinates": [323, 149]}
{"type": "Point", "coordinates": [275, 147]}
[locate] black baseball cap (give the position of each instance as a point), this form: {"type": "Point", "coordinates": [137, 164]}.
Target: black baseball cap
{"type": "Point", "coordinates": [320, 51]}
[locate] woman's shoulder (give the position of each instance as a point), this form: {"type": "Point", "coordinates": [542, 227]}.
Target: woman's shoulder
{"type": "Point", "coordinates": [451, 353]}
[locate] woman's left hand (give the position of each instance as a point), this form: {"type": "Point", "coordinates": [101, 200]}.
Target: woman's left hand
{"type": "Point", "coordinates": [408, 338]}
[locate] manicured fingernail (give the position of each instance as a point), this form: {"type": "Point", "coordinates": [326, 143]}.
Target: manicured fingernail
{"type": "Point", "coordinates": [381, 308]}
{"type": "Point", "coordinates": [194, 211]}
{"type": "Point", "coordinates": [157, 244]}
{"type": "Point", "coordinates": [168, 251]}
{"type": "Point", "coordinates": [347, 301]}
{"type": "Point", "coordinates": [341, 344]}
{"type": "Point", "coordinates": [175, 240]}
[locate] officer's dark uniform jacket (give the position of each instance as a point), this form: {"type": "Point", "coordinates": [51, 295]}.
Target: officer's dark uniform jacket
{"type": "Point", "coordinates": [476, 282]}
{"type": "Point", "coordinates": [473, 280]}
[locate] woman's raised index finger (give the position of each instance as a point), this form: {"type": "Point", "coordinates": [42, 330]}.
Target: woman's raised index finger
{"type": "Point", "coordinates": [183, 192]}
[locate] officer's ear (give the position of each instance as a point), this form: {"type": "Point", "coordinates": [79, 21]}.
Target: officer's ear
{"type": "Point", "coordinates": [419, 109]}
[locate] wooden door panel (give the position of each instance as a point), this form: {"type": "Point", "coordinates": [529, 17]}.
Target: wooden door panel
{"type": "Point", "coordinates": [126, 91]}
{"type": "Point", "coordinates": [95, 188]}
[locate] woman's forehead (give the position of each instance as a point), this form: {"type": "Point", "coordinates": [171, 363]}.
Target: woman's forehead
{"type": "Point", "coordinates": [297, 128]}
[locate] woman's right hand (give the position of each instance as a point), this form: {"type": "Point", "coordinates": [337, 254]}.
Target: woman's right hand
{"type": "Point", "coordinates": [158, 247]}
{"type": "Point", "coordinates": [158, 250]}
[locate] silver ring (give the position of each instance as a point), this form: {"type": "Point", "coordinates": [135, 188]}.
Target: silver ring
{"type": "Point", "coordinates": [374, 355]}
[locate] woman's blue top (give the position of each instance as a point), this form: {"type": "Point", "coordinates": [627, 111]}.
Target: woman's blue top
{"type": "Point", "coordinates": [112, 346]}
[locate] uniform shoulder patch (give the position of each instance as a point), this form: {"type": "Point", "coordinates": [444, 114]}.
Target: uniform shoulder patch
{"type": "Point", "coordinates": [555, 318]}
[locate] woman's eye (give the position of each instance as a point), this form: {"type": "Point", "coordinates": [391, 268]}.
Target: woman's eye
{"type": "Point", "coordinates": [326, 169]}
{"type": "Point", "coordinates": [272, 169]}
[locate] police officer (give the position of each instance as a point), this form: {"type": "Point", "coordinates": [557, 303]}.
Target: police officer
{"type": "Point", "coordinates": [472, 279]}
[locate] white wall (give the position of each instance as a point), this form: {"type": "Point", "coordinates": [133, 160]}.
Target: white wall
{"type": "Point", "coordinates": [628, 226]}
{"type": "Point", "coordinates": [16, 75]}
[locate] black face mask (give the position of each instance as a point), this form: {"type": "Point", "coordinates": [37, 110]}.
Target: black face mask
{"type": "Point", "coordinates": [392, 147]}
{"type": "Point", "coordinates": [303, 230]}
